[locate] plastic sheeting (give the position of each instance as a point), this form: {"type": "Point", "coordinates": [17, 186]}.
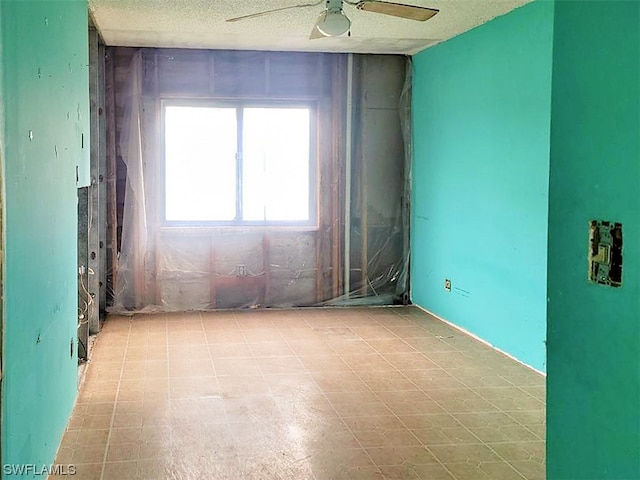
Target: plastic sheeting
{"type": "Point", "coordinates": [163, 267]}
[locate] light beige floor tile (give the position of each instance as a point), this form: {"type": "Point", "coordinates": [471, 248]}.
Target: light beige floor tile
{"type": "Point", "coordinates": [348, 393]}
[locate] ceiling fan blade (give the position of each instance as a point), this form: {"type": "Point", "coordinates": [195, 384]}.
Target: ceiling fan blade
{"type": "Point", "coordinates": [268, 12]}
{"type": "Point", "coordinates": [397, 10]}
{"type": "Point", "coordinates": [316, 33]}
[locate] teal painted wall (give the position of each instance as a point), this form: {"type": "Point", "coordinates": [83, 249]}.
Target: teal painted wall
{"type": "Point", "coordinates": [44, 91]}
{"type": "Point", "coordinates": [593, 383]}
{"type": "Point", "coordinates": [482, 104]}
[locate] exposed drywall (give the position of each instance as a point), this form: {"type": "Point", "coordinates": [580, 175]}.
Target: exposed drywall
{"type": "Point", "coordinates": [481, 106]}
{"type": "Point", "coordinates": [45, 105]}
{"type": "Point", "coordinates": [593, 384]}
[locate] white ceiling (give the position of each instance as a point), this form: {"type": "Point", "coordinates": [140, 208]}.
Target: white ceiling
{"type": "Point", "coordinates": [201, 24]}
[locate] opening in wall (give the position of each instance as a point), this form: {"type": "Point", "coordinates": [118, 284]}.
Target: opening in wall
{"type": "Point", "coordinates": [239, 164]}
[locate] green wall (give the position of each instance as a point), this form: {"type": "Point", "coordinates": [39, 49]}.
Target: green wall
{"type": "Point", "coordinates": [482, 104]}
{"type": "Point", "coordinates": [593, 384]}
{"type": "Point", "coordinates": [43, 65]}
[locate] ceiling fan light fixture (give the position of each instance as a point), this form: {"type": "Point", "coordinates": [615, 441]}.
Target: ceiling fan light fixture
{"type": "Point", "coordinates": [333, 23]}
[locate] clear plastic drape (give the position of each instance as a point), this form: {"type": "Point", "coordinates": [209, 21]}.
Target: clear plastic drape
{"type": "Point", "coordinates": [131, 259]}
{"type": "Point", "coordinates": [358, 253]}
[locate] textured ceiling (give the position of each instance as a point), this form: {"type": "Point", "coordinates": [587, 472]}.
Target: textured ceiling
{"type": "Point", "coordinates": [201, 24]}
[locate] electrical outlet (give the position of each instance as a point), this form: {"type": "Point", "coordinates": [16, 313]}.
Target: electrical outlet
{"type": "Point", "coordinates": [447, 285]}
{"type": "Point", "coordinates": [241, 270]}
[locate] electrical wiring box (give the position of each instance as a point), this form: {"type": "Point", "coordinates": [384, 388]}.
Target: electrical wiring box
{"type": "Point", "coordinates": [605, 253]}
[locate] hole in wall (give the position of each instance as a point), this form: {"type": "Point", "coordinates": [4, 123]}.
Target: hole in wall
{"type": "Point", "coordinates": [605, 253]}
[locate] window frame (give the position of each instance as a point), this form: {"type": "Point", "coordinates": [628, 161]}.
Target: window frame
{"type": "Point", "coordinates": [240, 105]}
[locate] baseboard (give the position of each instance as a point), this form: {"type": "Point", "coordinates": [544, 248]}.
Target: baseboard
{"type": "Point", "coordinates": [474, 336]}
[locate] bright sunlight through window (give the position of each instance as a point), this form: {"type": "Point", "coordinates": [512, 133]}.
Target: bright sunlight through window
{"type": "Point", "coordinates": [237, 165]}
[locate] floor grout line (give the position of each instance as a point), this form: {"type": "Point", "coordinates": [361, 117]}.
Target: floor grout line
{"type": "Point", "coordinates": [402, 422]}
{"type": "Point", "coordinates": [324, 394]}
{"type": "Point", "coordinates": [115, 403]}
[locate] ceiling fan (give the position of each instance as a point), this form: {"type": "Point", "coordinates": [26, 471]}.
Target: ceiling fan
{"type": "Point", "coordinates": [333, 22]}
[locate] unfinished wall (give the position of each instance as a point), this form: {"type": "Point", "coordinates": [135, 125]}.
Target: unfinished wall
{"type": "Point", "coordinates": [45, 106]}
{"type": "Point", "coordinates": [92, 209]}
{"type": "Point", "coordinates": [194, 268]}
{"type": "Point", "coordinates": [593, 386]}
{"type": "Point", "coordinates": [379, 184]}
{"type": "Point", "coordinates": [480, 179]}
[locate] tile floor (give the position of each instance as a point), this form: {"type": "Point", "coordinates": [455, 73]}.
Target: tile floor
{"type": "Point", "coordinates": [368, 393]}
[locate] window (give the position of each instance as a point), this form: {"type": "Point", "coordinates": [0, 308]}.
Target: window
{"type": "Point", "coordinates": [238, 164]}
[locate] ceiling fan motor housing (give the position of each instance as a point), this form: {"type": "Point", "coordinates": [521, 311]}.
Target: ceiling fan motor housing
{"type": "Point", "coordinates": [333, 5]}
